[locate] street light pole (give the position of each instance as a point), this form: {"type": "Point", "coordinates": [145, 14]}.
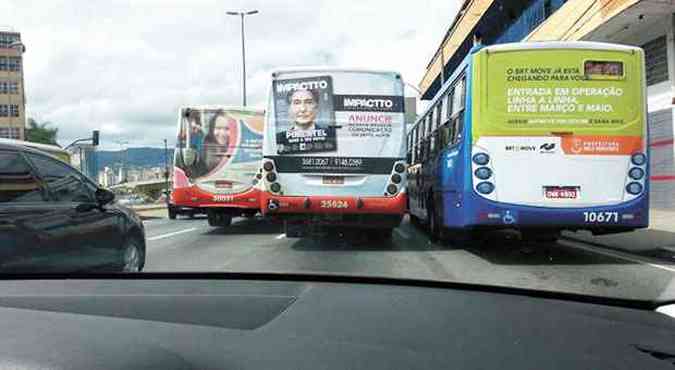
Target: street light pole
{"type": "Point", "coordinates": [243, 53]}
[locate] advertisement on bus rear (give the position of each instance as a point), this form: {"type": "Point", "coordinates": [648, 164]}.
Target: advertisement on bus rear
{"type": "Point", "coordinates": [221, 148]}
{"type": "Point", "coordinates": [342, 122]}
{"type": "Point", "coordinates": [592, 98]}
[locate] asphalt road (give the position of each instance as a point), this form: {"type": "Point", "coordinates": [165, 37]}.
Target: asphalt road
{"type": "Point", "coordinates": [256, 245]}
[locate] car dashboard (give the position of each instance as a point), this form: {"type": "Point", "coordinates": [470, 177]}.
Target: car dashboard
{"type": "Point", "coordinates": [247, 323]}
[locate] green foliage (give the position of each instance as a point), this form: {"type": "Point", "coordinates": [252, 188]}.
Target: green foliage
{"type": "Point", "coordinates": [37, 132]}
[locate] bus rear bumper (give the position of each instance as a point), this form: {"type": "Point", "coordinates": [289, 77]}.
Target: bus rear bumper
{"type": "Point", "coordinates": [603, 219]}
{"type": "Point", "coordinates": [194, 197]}
{"type": "Point", "coordinates": [357, 211]}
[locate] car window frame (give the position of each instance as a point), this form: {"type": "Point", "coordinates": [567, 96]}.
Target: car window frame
{"type": "Point", "coordinates": [78, 175]}
{"type": "Point", "coordinates": [44, 191]}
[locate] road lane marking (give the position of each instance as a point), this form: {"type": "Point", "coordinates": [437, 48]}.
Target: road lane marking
{"type": "Point", "coordinates": [280, 236]}
{"type": "Point", "coordinates": [402, 233]}
{"type": "Point", "coordinates": [171, 234]}
{"type": "Point", "coordinates": [615, 254]}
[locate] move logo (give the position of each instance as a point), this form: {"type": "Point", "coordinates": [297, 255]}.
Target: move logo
{"type": "Point", "coordinates": [547, 148]}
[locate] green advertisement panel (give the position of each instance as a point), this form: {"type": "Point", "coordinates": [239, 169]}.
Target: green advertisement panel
{"type": "Point", "coordinates": [538, 92]}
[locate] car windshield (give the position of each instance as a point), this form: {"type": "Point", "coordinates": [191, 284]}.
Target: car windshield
{"type": "Point", "coordinates": [524, 144]}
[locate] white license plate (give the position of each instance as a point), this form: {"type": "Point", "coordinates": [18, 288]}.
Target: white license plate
{"type": "Point", "coordinates": [223, 185]}
{"type": "Point", "coordinates": [333, 180]}
{"type": "Point", "coordinates": [561, 192]}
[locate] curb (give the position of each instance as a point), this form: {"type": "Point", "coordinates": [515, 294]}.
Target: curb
{"type": "Point", "coordinates": [151, 208]}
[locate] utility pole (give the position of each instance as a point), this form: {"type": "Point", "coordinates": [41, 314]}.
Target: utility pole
{"type": "Point", "coordinates": [243, 53]}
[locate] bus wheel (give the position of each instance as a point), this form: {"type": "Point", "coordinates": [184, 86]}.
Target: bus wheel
{"type": "Point", "coordinates": [547, 236]}
{"type": "Point", "coordinates": [219, 219]}
{"type": "Point", "coordinates": [172, 213]}
{"type": "Point", "coordinates": [435, 220]}
{"type": "Point", "coordinates": [293, 231]}
{"type": "Point", "coordinates": [381, 234]}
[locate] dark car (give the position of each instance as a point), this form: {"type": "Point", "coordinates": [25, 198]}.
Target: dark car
{"type": "Point", "coordinates": [54, 219]}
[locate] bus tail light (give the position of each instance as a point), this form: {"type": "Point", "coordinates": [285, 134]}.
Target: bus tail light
{"type": "Point", "coordinates": [483, 173]}
{"type": "Point", "coordinates": [481, 159]}
{"type": "Point", "coordinates": [634, 188]}
{"type": "Point", "coordinates": [275, 187]}
{"type": "Point", "coordinates": [396, 178]}
{"type": "Point", "coordinates": [485, 187]}
{"type": "Point", "coordinates": [399, 167]}
{"type": "Point", "coordinates": [636, 173]}
{"type": "Point", "coordinates": [638, 159]}
{"type": "Point", "coordinates": [392, 189]}
{"type": "Point", "coordinates": [268, 166]}
{"type": "Point", "coordinates": [271, 177]}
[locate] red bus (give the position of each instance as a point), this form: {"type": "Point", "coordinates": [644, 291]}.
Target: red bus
{"type": "Point", "coordinates": [218, 151]}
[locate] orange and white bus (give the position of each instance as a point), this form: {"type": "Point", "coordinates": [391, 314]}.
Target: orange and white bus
{"type": "Point", "coordinates": [334, 149]}
{"type": "Point", "coordinates": [218, 151]}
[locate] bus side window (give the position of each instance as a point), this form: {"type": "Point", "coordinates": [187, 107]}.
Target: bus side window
{"type": "Point", "coordinates": [408, 154]}
{"type": "Point", "coordinates": [427, 135]}
{"type": "Point", "coordinates": [459, 94]}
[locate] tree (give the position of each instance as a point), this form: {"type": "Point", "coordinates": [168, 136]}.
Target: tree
{"type": "Point", "coordinates": [37, 132]}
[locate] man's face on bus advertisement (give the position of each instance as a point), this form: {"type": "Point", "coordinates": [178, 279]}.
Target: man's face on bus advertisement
{"type": "Point", "coordinates": [221, 131]}
{"type": "Point", "coordinates": [304, 108]}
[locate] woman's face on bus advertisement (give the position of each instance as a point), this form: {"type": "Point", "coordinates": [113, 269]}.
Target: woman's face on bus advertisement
{"type": "Point", "coordinates": [304, 108]}
{"type": "Point", "coordinates": [221, 131]}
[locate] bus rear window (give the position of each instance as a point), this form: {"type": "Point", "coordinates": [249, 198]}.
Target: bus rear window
{"type": "Point", "coordinates": [594, 69]}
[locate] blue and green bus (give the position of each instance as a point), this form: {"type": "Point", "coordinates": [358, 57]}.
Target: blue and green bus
{"type": "Point", "coordinates": [537, 137]}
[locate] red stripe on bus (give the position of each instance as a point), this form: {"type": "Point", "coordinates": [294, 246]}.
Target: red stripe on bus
{"type": "Point", "coordinates": [661, 143]}
{"type": "Point", "coordinates": [663, 178]}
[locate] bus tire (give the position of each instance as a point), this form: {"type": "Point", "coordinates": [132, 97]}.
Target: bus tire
{"type": "Point", "coordinates": [219, 219]}
{"type": "Point", "coordinates": [435, 222]}
{"type": "Point", "coordinates": [540, 236]}
{"type": "Point", "coordinates": [293, 231]}
{"type": "Point", "coordinates": [381, 234]}
{"type": "Point", "coordinates": [172, 213]}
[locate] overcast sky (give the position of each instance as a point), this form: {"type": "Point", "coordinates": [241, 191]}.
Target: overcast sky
{"type": "Point", "coordinates": [124, 67]}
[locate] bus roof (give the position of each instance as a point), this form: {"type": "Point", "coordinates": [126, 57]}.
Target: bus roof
{"type": "Point", "coordinates": [331, 69]}
{"type": "Point", "coordinates": [223, 107]}
{"type": "Point", "coordinates": [560, 45]}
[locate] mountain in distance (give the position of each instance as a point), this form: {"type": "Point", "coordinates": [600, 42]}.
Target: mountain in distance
{"type": "Point", "coordinates": [135, 157]}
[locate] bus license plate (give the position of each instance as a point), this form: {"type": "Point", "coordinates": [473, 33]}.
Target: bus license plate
{"type": "Point", "coordinates": [333, 180]}
{"type": "Point", "coordinates": [561, 192]}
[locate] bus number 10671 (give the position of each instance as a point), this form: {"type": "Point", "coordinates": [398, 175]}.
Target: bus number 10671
{"type": "Point", "coordinates": [606, 217]}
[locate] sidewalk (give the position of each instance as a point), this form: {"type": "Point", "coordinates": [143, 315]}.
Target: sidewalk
{"type": "Point", "coordinates": [657, 241]}
{"type": "Point", "coordinates": [149, 211]}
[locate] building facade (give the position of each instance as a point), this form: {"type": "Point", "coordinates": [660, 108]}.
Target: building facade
{"type": "Point", "coordinates": [645, 23]}
{"type": "Point", "coordinates": [12, 95]}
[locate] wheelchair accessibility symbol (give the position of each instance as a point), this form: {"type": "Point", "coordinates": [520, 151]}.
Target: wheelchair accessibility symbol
{"type": "Point", "coordinates": [508, 218]}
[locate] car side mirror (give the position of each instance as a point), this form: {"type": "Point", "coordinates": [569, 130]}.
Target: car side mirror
{"type": "Point", "coordinates": [104, 196]}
